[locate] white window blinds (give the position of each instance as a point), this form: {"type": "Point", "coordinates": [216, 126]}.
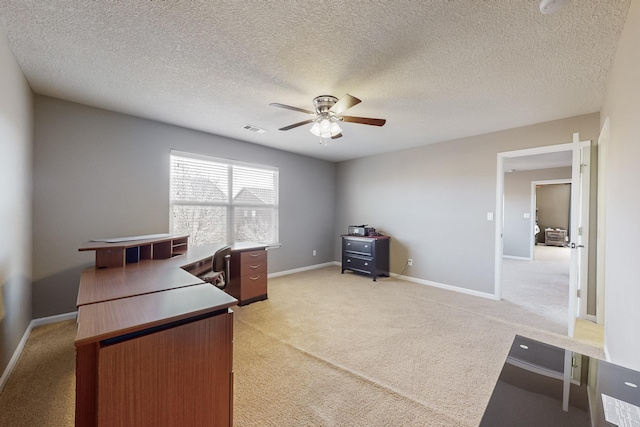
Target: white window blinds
{"type": "Point", "coordinates": [223, 201]}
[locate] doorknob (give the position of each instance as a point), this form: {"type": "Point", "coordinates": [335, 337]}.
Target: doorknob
{"type": "Point", "coordinates": [573, 246]}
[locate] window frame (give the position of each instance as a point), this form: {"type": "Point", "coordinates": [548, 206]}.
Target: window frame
{"type": "Point", "coordinates": [229, 204]}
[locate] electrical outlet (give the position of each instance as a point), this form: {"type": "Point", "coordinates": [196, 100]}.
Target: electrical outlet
{"type": "Point", "coordinates": [410, 262]}
{"type": "Point", "coordinates": [314, 252]}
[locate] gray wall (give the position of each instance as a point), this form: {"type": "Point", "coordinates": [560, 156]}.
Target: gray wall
{"type": "Point", "coordinates": [101, 174]}
{"type": "Point", "coordinates": [622, 198]}
{"type": "Point", "coordinates": [16, 124]}
{"type": "Point", "coordinates": [518, 234]}
{"type": "Point", "coordinates": [433, 200]}
{"type": "Point", "coordinates": [553, 202]}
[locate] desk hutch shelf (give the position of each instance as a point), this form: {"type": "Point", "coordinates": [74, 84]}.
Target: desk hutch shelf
{"type": "Point", "coordinates": [117, 254]}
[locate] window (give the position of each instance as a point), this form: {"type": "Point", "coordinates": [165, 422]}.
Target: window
{"type": "Point", "coordinates": [223, 201]}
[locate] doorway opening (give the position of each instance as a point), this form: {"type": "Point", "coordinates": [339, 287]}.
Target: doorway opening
{"type": "Point", "coordinates": [516, 222]}
{"type": "Point", "coordinates": [536, 255]}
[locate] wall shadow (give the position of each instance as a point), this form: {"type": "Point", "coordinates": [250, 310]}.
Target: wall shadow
{"type": "Point", "coordinates": [56, 294]}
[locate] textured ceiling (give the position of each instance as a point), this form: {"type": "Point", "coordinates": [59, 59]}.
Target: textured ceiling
{"type": "Point", "coordinates": [436, 70]}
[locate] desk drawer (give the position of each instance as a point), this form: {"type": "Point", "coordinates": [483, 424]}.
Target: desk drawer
{"type": "Point", "coordinates": [253, 263]}
{"type": "Point", "coordinates": [253, 285]}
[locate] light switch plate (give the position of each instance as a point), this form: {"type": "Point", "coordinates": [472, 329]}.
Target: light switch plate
{"type": "Point", "coordinates": [489, 216]}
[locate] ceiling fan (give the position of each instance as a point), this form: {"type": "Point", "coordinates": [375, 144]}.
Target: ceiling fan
{"type": "Point", "coordinates": [328, 113]}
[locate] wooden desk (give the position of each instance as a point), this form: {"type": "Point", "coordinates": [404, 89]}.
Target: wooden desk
{"type": "Point", "coordinates": [146, 276]}
{"type": "Point", "coordinates": [163, 358]}
{"type": "Point", "coordinates": [154, 344]}
{"type": "Point", "coordinates": [248, 281]}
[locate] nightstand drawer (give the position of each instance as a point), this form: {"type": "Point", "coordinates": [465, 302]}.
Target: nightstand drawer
{"type": "Point", "coordinates": [358, 263]}
{"type": "Point", "coordinates": [352, 245]}
{"type": "Point", "coordinates": [555, 237]}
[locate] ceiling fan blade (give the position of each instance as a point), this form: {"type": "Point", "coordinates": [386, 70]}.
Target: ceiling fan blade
{"type": "Point", "coordinates": [364, 120]}
{"type": "Point", "coordinates": [289, 107]}
{"type": "Point", "coordinates": [295, 125]}
{"type": "Point", "coordinates": [337, 136]}
{"type": "Point", "coordinates": [344, 103]}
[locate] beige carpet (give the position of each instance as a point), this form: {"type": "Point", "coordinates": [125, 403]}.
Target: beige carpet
{"type": "Point", "coordinates": [540, 287]}
{"type": "Point", "coordinates": [41, 388]}
{"type": "Point", "coordinates": [332, 350]}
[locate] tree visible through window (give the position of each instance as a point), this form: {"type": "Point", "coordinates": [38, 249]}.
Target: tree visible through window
{"type": "Point", "coordinates": [223, 201]}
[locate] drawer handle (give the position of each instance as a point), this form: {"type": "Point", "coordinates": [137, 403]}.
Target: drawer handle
{"type": "Point", "coordinates": [254, 255]}
{"type": "Point", "coordinates": [255, 278]}
{"type": "Point", "coordinates": [348, 244]}
{"type": "Point", "coordinates": [254, 266]}
{"type": "Point", "coordinates": [348, 260]}
{"type": "Point", "coordinates": [366, 246]}
{"type": "Point", "coordinates": [366, 263]}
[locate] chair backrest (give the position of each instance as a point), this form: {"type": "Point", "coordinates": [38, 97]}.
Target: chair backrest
{"type": "Point", "coordinates": [220, 259]}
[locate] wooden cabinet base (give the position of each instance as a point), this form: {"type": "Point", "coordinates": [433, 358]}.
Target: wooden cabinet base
{"type": "Point", "coordinates": [176, 375]}
{"type": "Point", "coordinates": [253, 299]}
{"type": "Point", "coordinates": [248, 275]}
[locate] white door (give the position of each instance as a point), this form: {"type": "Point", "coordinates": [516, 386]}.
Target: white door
{"type": "Point", "coordinates": [579, 231]}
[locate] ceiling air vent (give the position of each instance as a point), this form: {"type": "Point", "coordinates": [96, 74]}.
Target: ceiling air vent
{"type": "Point", "coordinates": [255, 129]}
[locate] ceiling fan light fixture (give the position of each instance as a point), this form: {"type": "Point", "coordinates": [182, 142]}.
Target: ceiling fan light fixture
{"type": "Point", "coordinates": [325, 128]}
{"type": "Point", "coordinates": [315, 129]}
{"type": "Point", "coordinates": [335, 129]}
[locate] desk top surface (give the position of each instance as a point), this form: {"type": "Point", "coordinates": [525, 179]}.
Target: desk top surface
{"type": "Point", "coordinates": [117, 301]}
{"type": "Point", "coordinates": [109, 319]}
{"type": "Point", "coordinates": [353, 236]}
{"type": "Point", "coordinates": [146, 276]}
{"type": "Point", "coordinates": [532, 387]}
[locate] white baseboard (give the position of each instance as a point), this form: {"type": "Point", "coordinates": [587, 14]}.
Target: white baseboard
{"type": "Point", "coordinates": [407, 278]}
{"type": "Point", "coordinates": [300, 270]}
{"type": "Point", "coordinates": [53, 319]}
{"type": "Point", "coordinates": [447, 287]}
{"type": "Point", "coordinates": [16, 354]}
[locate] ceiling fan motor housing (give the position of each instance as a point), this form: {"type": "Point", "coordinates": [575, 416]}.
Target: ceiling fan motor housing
{"type": "Point", "coordinates": [323, 103]}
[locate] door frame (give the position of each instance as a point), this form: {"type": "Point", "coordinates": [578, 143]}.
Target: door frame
{"type": "Point", "coordinates": [499, 216]}
{"type": "Point", "coordinates": [580, 227]}
{"type": "Point", "coordinates": [603, 143]}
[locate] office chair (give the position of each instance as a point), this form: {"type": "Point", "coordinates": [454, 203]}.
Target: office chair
{"type": "Point", "coordinates": [220, 273]}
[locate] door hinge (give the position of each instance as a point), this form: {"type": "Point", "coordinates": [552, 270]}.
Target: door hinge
{"type": "Point", "coordinates": [579, 231]}
{"type": "Point", "coordinates": [578, 293]}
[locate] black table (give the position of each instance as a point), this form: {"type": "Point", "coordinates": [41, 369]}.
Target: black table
{"type": "Point", "coordinates": [544, 385]}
